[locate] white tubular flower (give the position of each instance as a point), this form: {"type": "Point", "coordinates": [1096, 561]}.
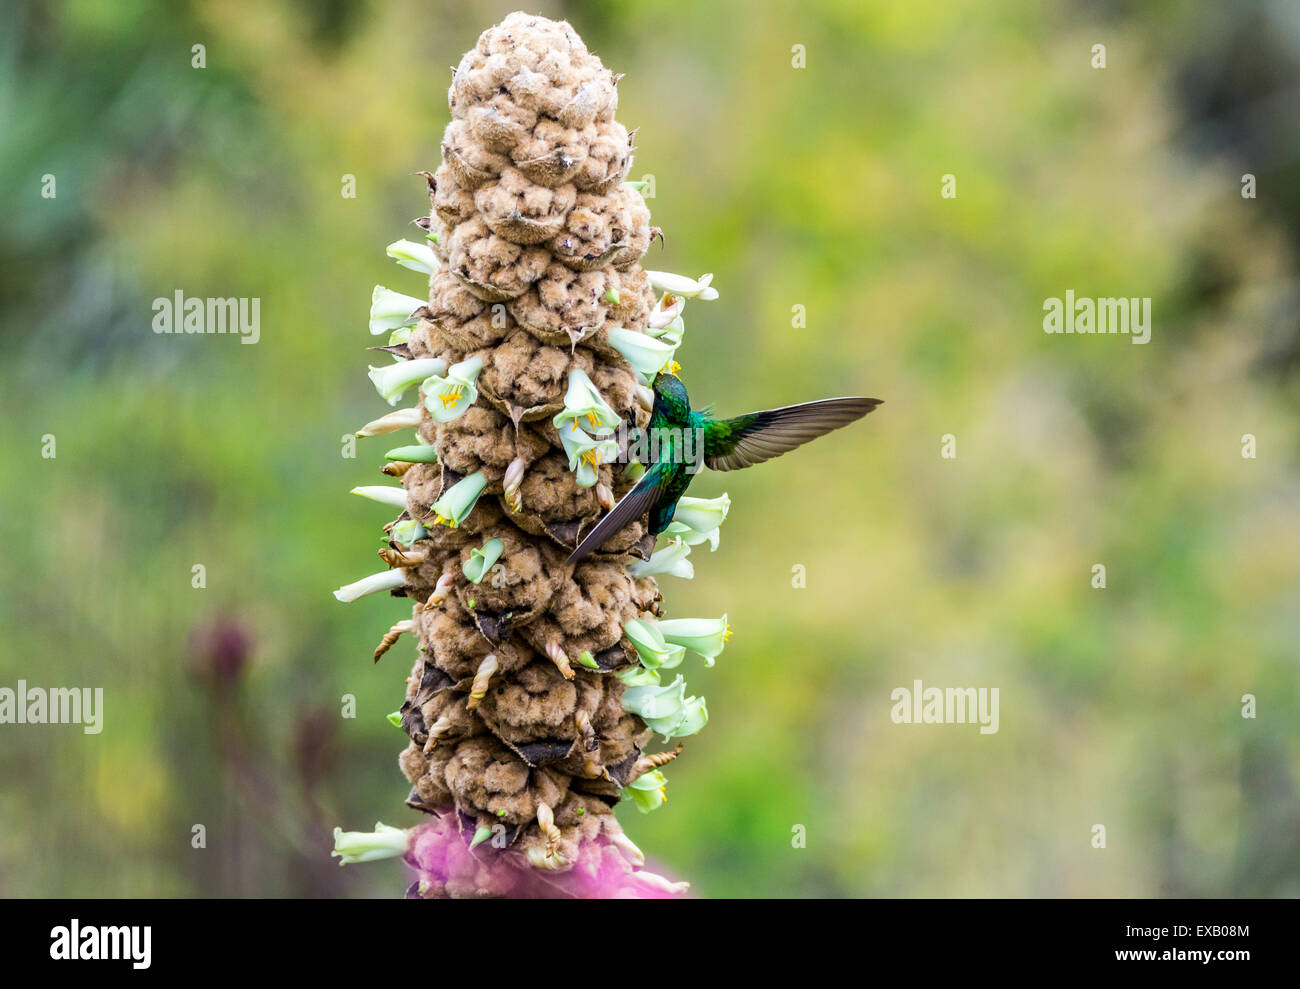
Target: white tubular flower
{"type": "Point", "coordinates": [402, 419]}
{"type": "Point", "coordinates": [392, 380]}
{"type": "Point", "coordinates": [448, 396]}
{"type": "Point", "coordinates": [671, 334]}
{"type": "Point", "coordinates": [384, 842]}
{"type": "Point", "coordinates": [649, 791]}
{"type": "Point", "coordinates": [666, 323]}
{"type": "Point", "coordinates": [670, 560]}
{"type": "Point", "coordinates": [482, 559]}
{"type": "Point", "coordinates": [654, 651]}
{"type": "Point", "coordinates": [690, 537]}
{"type": "Point", "coordinates": [385, 494]}
{"type": "Point", "coordinates": [419, 453]}
{"type": "Point", "coordinates": [417, 257]}
{"type": "Point", "coordinates": [667, 710]}
{"type": "Point", "coordinates": [407, 532]}
{"type": "Point", "coordinates": [639, 676]}
{"type": "Point", "coordinates": [703, 636]}
{"type": "Point", "coordinates": [390, 310]}
{"type": "Point", "coordinates": [680, 285]}
{"type": "Point", "coordinates": [387, 580]}
{"type": "Point", "coordinates": [587, 453]}
{"type": "Point", "coordinates": [459, 500]}
{"type": "Point", "coordinates": [698, 519]}
{"type": "Point", "coordinates": [584, 407]}
{"type": "Point", "coordinates": [646, 354]}
{"type": "Point", "coordinates": [662, 316]}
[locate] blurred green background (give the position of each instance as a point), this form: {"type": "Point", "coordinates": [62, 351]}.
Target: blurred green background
{"type": "Point", "coordinates": [816, 187]}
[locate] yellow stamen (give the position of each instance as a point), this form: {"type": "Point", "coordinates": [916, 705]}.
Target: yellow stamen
{"type": "Point", "coordinates": [672, 367]}
{"type": "Point", "coordinates": [591, 418]}
{"type": "Point", "coordinates": [450, 397]}
{"type": "Point", "coordinates": [726, 635]}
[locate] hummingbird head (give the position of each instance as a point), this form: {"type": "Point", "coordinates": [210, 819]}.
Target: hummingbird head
{"type": "Point", "coordinates": [669, 388]}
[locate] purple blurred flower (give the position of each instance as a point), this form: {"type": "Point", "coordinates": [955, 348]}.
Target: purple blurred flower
{"type": "Point", "coordinates": [219, 649]}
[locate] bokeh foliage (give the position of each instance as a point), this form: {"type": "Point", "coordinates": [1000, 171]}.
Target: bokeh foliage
{"type": "Point", "coordinates": [816, 187]}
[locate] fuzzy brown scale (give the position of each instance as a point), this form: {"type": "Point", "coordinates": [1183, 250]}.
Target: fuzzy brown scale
{"type": "Point", "coordinates": [540, 243]}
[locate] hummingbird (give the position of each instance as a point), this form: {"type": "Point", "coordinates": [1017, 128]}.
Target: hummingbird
{"type": "Point", "coordinates": [728, 444]}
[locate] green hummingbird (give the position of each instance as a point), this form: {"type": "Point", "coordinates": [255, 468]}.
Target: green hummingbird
{"type": "Point", "coordinates": [728, 444]}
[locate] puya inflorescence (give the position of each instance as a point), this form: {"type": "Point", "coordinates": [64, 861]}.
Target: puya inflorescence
{"type": "Point", "coordinates": [539, 686]}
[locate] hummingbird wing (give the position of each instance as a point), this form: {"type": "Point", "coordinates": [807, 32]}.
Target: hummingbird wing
{"type": "Point", "coordinates": [639, 500]}
{"type": "Point", "coordinates": [730, 444]}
